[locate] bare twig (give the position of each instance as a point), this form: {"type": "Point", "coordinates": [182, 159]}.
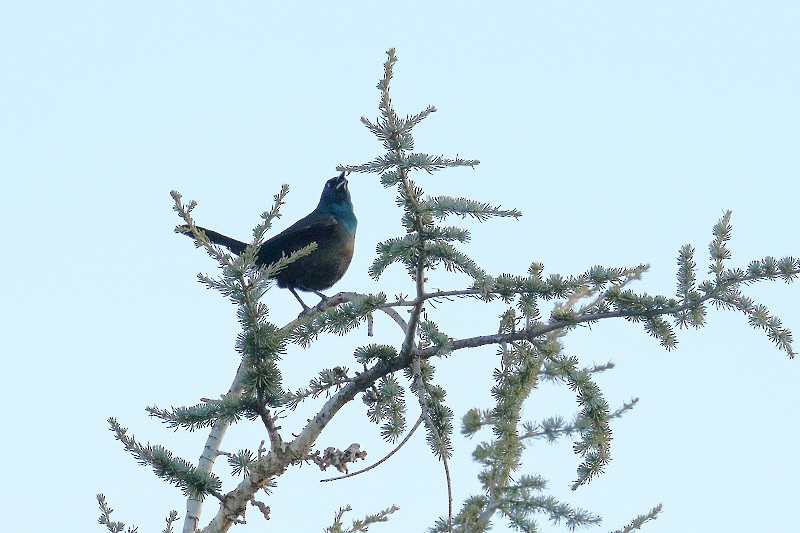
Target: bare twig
{"type": "Point", "coordinates": [391, 453]}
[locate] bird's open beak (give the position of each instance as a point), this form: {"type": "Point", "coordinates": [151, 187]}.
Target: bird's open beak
{"type": "Point", "coordinates": [341, 181]}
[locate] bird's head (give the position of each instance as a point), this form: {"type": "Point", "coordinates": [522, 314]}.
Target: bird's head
{"type": "Point", "coordinates": [336, 199]}
{"type": "Point", "coordinates": [335, 193]}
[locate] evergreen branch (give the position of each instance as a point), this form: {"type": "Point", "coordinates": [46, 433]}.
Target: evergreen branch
{"type": "Point", "coordinates": [442, 206]}
{"type": "Point", "coordinates": [374, 352]}
{"type": "Point", "coordinates": [518, 508]}
{"type": "Point", "coordinates": [687, 272]}
{"type": "Point", "coordinates": [442, 252]}
{"type": "Point", "coordinates": [661, 330]}
{"type": "Point", "coordinates": [521, 522]}
{"type": "Point", "coordinates": [185, 212]}
{"type": "Point", "coordinates": [171, 519]}
{"type": "Point", "coordinates": [430, 163]}
{"type": "Point", "coordinates": [446, 234]}
{"type": "Point", "coordinates": [392, 160]}
{"type": "Point", "coordinates": [551, 428]}
{"type": "Point", "coordinates": [379, 165]}
{"type": "Point", "coordinates": [640, 520]}
{"type": "Point", "coordinates": [396, 134]}
{"type": "Point", "coordinates": [175, 470]}
{"type": "Point", "coordinates": [230, 408]}
{"type": "Point", "coordinates": [718, 250]}
{"type": "Point", "coordinates": [760, 318]}
{"type": "Point", "coordinates": [595, 443]}
{"type": "Point", "coordinates": [390, 178]}
{"type": "Point", "coordinates": [473, 420]}
{"type": "Point", "coordinates": [105, 518]}
{"type": "Point", "coordinates": [507, 286]}
{"type": "Point", "coordinates": [632, 307]}
{"type": "Point", "coordinates": [431, 399]}
{"type": "Point", "coordinates": [339, 320]}
{"type": "Point", "coordinates": [386, 403]}
{"type": "Point", "coordinates": [396, 250]}
{"type": "Point", "coordinates": [268, 216]}
{"type": "Point", "coordinates": [337, 520]}
{"type": "Point", "coordinates": [430, 335]}
{"type": "Point", "coordinates": [468, 519]}
{"type": "Point", "coordinates": [436, 438]}
{"type": "Point", "coordinates": [329, 378]}
{"type": "Point", "coordinates": [412, 120]}
{"type": "Point", "coordinates": [385, 104]}
{"type": "Point", "coordinates": [554, 427]}
{"type": "Point", "coordinates": [549, 371]}
{"type": "Point", "coordinates": [786, 267]}
{"type": "Point", "coordinates": [240, 462]}
{"type": "Point", "coordinates": [515, 378]}
{"type": "Point", "coordinates": [359, 525]}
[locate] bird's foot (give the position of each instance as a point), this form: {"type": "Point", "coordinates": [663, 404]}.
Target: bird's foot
{"type": "Point", "coordinates": [323, 302]}
{"type": "Point", "coordinates": [321, 306]}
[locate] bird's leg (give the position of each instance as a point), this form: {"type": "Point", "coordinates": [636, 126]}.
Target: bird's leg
{"type": "Point", "coordinates": [305, 307]}
{"type": "Point", "coordinates": [319, 305]}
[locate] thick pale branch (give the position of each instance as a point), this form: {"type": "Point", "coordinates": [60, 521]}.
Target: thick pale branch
{"type": "Point", "coordinates": [194, 506]}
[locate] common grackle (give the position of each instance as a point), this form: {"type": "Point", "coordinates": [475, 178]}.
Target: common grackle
{"type": "Point", "coordinates": [332, 225]}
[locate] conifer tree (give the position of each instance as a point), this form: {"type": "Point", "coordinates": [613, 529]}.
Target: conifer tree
{"type": "Point", "coordinates": [397, 381]}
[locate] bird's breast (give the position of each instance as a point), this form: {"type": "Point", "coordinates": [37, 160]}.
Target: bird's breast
{"type": "Point", "coordinates": [324, 266]}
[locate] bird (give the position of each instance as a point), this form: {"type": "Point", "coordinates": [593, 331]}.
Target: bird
{"type": "Point", "coordinates": [332, 225]}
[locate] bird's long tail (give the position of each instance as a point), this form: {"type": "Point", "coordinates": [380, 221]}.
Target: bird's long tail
{"type": "Point", "coordinates": [233, 245]}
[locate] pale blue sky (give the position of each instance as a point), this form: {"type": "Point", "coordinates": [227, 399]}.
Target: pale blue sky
{"type": "Point", "coordinates": [622, 130]}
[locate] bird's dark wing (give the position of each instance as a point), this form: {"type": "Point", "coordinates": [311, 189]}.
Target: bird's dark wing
{"type": "Point", "coordinates": [316, 227]}
{"type": "Point", "coordinates": [313, 222]}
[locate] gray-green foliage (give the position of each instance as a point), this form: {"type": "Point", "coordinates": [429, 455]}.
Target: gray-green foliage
{"type": "Point", "coordinates": [179, 472]}
{"type": "Point", "coordinates": [399, 376]}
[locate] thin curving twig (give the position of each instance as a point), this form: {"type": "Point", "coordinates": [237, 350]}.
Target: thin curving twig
{"type": "Point", "coordinates": [391, 453]}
